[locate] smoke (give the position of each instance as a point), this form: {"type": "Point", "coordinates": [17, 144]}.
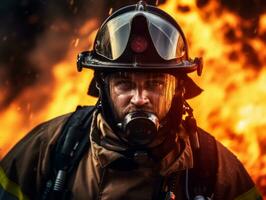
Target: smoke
{"type": "Point", "coordinates": [34, 36]}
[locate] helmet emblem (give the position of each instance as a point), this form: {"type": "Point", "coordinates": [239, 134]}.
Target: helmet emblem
{"type": "Point", "coordinates": [139, 44]}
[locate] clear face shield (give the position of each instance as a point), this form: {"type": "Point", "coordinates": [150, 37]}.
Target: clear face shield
{"type": "Point", "coordinates": [114, 37]}
{"type": "Point", "coordinates": [141, 101]}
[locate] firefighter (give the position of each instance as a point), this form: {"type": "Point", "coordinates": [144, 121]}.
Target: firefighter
{"type": "Point", "coordinates": [140, 141]}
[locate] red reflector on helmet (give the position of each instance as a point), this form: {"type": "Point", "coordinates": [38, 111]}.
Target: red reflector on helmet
{"type": "Point", "coordinates": [139, 44]}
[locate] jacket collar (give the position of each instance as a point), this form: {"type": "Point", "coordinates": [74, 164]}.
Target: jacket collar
{"type": "Point", "coordinates": [179, 158]}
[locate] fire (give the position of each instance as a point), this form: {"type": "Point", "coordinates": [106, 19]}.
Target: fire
{"type": "Point", "coordinates": [232, 106]}
{"type": "Point", "coordinates": [58, 96]}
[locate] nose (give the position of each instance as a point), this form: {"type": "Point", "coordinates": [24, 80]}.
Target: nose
{"type": "Point", "coordinates": [139, 98]}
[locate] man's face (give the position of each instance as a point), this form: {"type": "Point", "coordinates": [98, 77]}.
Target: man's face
{"type": "Point", "coordinates": [131, 91]}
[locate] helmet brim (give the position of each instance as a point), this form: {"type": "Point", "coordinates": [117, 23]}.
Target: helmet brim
{"type": "Point", "coordinates": [153, 67]}
{"type": "Point", "coordinates": [88, 60]}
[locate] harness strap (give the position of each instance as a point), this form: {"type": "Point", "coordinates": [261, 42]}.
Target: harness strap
{"type": "Point", "coordinates": [70, 147]}
{"type": "Point", "coordinates": [200, 180]}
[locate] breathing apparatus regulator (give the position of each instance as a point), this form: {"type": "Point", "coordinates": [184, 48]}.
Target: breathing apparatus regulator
{"type": "Point", "coordinates": [141, 38]}
{"type": "Point", "coordinates": [140, 127]}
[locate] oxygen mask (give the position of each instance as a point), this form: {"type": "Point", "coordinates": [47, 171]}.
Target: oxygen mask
{"type": "Point", "coordinates": [140, 127]}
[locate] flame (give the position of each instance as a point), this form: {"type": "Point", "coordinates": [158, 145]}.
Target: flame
{"type": "Point", "coordinates": [232, 106]}
{"type": "Point", "coordinates": [62, 94]}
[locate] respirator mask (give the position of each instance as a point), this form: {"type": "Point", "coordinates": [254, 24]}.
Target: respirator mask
{"type": "Point", "coordinates": [140, 102]}
{"type": "Point", "coordinates": [140, 127]}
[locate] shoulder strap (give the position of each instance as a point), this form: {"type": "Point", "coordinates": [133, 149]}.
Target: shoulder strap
{"type": "Point", "coordinates": [71, 145]}
{"type": "Point", "coordinates": [202, 177]}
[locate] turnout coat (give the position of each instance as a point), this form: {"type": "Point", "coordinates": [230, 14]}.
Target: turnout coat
{"type": "Point", "coordinates": [105, 174]}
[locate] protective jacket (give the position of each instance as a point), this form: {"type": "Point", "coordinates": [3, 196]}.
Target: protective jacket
{"type": "Point", "coordinates": [108, 174]}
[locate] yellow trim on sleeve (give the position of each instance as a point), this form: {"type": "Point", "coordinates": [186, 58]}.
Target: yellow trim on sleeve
{"type": "Point", "coordinates": [252, 194]}
{"type": "Point", "coordinates": [11, 187]}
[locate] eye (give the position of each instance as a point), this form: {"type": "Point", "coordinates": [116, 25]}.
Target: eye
{"type": "Point", "coordinates": [155, 84]}
{"type": "Point", "coordinates": [124, 85]}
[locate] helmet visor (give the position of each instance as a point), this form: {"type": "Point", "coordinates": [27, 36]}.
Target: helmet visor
{"type": "Point", "coordinates": [112, 40]}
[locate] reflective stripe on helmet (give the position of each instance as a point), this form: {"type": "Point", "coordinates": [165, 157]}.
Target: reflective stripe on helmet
{"type": "Point", "coordinates": [9, 188]}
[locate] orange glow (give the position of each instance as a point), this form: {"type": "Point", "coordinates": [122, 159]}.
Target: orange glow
{"type": "Point", "coordinates": [50, 98]}
{"type": "Point", "coordinates": [232, 106]}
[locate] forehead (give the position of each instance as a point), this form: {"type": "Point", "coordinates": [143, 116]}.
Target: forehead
{"type": "Point", "coordinates": [139, 75]}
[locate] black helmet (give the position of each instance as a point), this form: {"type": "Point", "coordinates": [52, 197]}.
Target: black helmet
{"type": "Point", "coordinates": [141, 37]}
